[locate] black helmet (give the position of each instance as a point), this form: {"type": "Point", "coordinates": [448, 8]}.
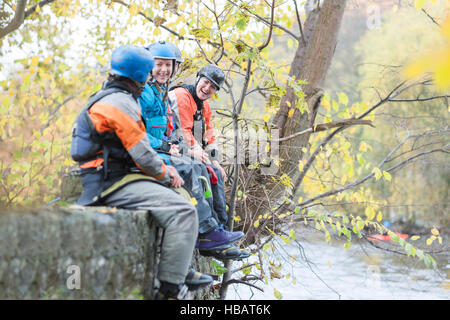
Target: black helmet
{"type": "Point", "coordinates": [213, 73]}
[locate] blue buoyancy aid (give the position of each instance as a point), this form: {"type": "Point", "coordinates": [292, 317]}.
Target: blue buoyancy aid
{"type": "Point", "coordinates": [154, 113]}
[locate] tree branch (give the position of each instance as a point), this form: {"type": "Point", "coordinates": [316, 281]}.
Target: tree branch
{"type": "Point", "coordinates": [261, 47]}
{"type": "Point", "coordinates": [299, 23]}
{"type": "Point", "coordinates": [32, 9]}
{"type": "Point", "coordinates": [16, 21]}
{"type": "Point", "coordinates": [237, 110]}
{"type": "Point", "coordinates": [20, 15]}
{"type": "Point", "coordinates": [327, 126]}
{"type": "Point", "coordinates": [267, 22]}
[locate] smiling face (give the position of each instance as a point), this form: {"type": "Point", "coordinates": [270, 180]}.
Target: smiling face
{"type": "Point", "coordinates": [162, 70]}
{"type": "Point", "coordinates": [205, 88]}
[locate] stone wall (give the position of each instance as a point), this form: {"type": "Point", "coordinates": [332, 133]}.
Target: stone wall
{"type": "Point", "coordinates": [113, 251]}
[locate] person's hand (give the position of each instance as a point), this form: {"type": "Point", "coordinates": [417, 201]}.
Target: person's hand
{"type": "Point", "coordinates": [176, 180]}
{"type": "Point", "coordinates": [174, 150]}
{"type": "Point", "coordinates": [222, 171]}
{"type": "Point", "coordinates": [199, 154]}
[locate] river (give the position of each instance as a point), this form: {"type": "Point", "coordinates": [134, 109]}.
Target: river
{"type": "Point", "coordinates": [362, 272]}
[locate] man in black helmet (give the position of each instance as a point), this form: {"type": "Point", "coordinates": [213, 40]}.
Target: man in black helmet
{"type": "Point", "coordinates": [189, 103]}
{"type": "Point", "coordinates": [192, 115]}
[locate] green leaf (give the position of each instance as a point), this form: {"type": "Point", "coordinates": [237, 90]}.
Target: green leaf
{"type": "Point", "coordinates": [377, 173]}
{"type": "Point", "coordinates": [286, 240]}
{"type": "Point", "coordinates": [410, 250]}
{"type": "Point", "coordinates": [17, 154]}
{"type": "Point", "coordinates": [241, 24]}
{"type": "Point", "coordinates": [247, 270]}
{"type": "Point", "coordinates": [218, 268]}
{"type": "Point", "coordinates": [292, 234]}
{"type": "Point", "coordinates": [327, 236]}
{"type": "Point", "coordinates": [277, 294]}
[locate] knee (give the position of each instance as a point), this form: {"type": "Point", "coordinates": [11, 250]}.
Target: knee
{"type": "Point", "coordinates": [189, 213]}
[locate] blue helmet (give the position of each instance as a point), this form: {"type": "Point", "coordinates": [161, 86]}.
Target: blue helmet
{"type": "Point", "coordinates": [132, 62]}
{"type": "Point", "coordinates": [162, 50]}
{"type": "Point", "coordinates": [176, 51]}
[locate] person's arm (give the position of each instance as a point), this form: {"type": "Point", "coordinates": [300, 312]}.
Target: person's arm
{"type": "Point", "coordinates": [127, 125]}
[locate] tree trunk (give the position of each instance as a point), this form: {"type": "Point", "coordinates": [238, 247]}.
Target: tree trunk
{"type": "Point", "coordinates": [311, 62]}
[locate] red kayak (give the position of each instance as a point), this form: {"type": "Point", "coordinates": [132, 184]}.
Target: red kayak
{"type": "Point", "coordinates": [386, 237]}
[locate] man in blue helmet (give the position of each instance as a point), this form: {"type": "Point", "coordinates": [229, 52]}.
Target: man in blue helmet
{"type": "Point", "coordinates": [109, 142]}
{"type": "Point", "coordinates": [157, 115]}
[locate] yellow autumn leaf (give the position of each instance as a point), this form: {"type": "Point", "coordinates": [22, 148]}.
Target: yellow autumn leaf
{"type": "Point", "coordinates": [377, 173]}
{"type": "Point", "coordinates": [47, 60]}
{"type": "Point", "coordinates": [326, 104]}
{"type": "Point", "coordinates": [237, 218]}
{"type": "Point", "coordinates": [34, 62]}
{"type": "Point", "coordinates": [437, 61]}
{"type": "Point", "coordinates": [415, 238]}
{"type": "Point", "coordinates": [364, 147]}
{"type": "Point", "coordinates": [291, 112]}
{"type": "Point", "coordinates": [256, 224]}
{"type": "Point", "coordinates": [193, 201]}
{"type": "Point", "coordinates": [435, 232]}
{"type": "Point", "coordinates": [419, 4]}
{"type": "Point", "coordinates": [370, 213]}
{"type": "Point", "coordinates": [387, 175]}
{"type": "Point", "coordinates": [266, 117]}
{"type": "Point", "coordinates": [379, 216]}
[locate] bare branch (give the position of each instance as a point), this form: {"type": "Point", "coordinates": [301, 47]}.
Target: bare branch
{"type": "Point", "coordinates": [244, 282]}
{"type": "Point", "coordinates": [299, 23]}
{"type": "Point", "coordinates": [32, 9]}
{"type": "Point", "coordinates": [261, 47]}
{"type": "Point", "coordinates": [327, 126]}
{"type": "Point", "coordinates": [431, 18]}
{"type": "Point", "coordinates": [420, 99]}
{"type": "Point", "coordinates": [237, 110]}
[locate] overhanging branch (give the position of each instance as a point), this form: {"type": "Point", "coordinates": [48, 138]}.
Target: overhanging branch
{"type": "Point", "coordinates": [327, 126]}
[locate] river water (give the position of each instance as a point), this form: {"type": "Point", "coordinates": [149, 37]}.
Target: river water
{"type": "Point", "coordinates": [318, 270]}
